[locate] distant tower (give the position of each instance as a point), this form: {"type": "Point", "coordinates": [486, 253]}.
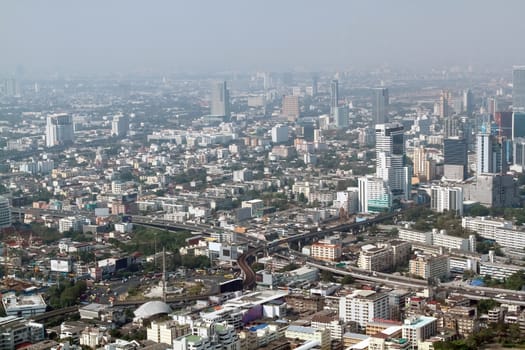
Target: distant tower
{"type": "Point", "coordinates": [119, 125]}
{"type": "Point", "coordinates": [59, 129]}
{"type": "Point", "coordinates": [314, 85]}
{"type": "Point", "coordinates": [468, 102]}
{"type": "Point", "coordinates": [518, 89]}
{"type": "Point", "coordinates": [380, 105]}
{"type": "Point", "coordinates": [220, 100]}
{"type": "Point", "coordinates": [290, 107]}
{"type": "Point", "coordinates": [334, 94]}
{"type": "Point", "coordinates": [444, 100]}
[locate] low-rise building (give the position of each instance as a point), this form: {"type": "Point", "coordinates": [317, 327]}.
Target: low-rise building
{"type": "Point", "coordinates": [419, 328]}
{"type": "Point", "coordinates": [430, 267]}
{"type": "Point", "coordinates": [17, 330]}
{"type": "Point", "coordinates": [374, 258]}
{"type": "Point", "coordinates": [328, 249]}
{"type": "Point", "coordinates": [23, 305]}
{"type": "Point", "coordinates": [165, 332]}
{"type": "Point", "coordinates": [321, 336]}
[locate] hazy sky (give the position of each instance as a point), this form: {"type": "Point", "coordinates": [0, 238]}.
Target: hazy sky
{"type": "Point", "coordinates": [214, 35]}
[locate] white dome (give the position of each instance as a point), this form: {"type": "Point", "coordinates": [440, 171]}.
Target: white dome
{"type": "Point", "coordinates": [152, 308]}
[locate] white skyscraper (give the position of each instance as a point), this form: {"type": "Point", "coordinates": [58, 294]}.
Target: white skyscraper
{"type": "Point", "coordinates": [393, 177]}
{"type": "Point", "coordinates": [120, 125]}
{"type": "Point", "coordinates": [390, 159]}
{"type": "Point", "coordinates": [220, 100]}
{"type": "Point", "coordinates": [490, 154]}
{"type": "Point", "coordinates": [59, 129]}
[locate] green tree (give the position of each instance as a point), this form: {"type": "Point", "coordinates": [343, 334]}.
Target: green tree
{"type": "Point", "coordinates": [327, 276]}
{"type": "Point", "coordinates": [479, 210]}
{"type": "Point", "coordinates": [484, 305]}
{"type": "Point", "coordinates": [347, 279]}
{"type": "Point", "coordinates": [515, 281]}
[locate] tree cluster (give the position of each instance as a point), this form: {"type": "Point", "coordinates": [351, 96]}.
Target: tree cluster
{"type": "Point", "coordinates": [65, 294]}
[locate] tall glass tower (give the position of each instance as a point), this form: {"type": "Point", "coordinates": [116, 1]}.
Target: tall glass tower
{"type": "Point", "coordinates": [518, 89]}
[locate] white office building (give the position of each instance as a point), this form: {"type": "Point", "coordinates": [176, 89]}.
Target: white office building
{"type": "Point", "coordinates": [374, 195]}
{"type": "Point", "coordinates": [59, 129]}
{"type": "Point", "coordinates": [73, 223]}
{"type": "Point", "coordinates": [280, 133]}
{"type": "Point", "coordinates": [120, 125]}
{"type": "Point", "coordinates": [446, 198]}
{"type": "Point", "coordinates": [363, 306]}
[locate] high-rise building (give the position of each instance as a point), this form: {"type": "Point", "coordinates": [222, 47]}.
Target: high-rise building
{"type": "Point", "coordinates": [518, 149]}
{"type": "Point", "coordinates": [290, 108]}
{"type": "Point", "coordinates": [518, 124]}
{"type": "Point", "coordinates": [374, 195]}
{"type": "Point", "coordinates": [491, 154]}
{"type": "Point", "coordinates": [518, 89]}
{"type": "Point", "coordinates": [11, 88]}
{"type": "Point", "coordinates": [420, 161]}
{"type": "Point", "coordinates": [59, 129]}
{"type": "Point", "coordinates": [119, 125]}
{"type": "Point", "coordinates": [447, 198]}
{"type": "Point", "coordinates": [468, 102]}
{"type": "Point", "coordinates": [393, 177]}
{"type": "Point", "coordinates": [340, 117]}
{"type": "Point", "coordinates": [220, 100]}
{"type": "Point", "coordinates": [279, 133]}
{"type": "Point", "coordinates": [363, 306]}
{"type": "Point", "coordinates": [390, 159]}
{"type": "Point", "coordinates": [504, 122]}
{"type": "Point", "coordinates": [455, 154]}
{"type": "Point", "coordinates": [451, 127]}
{"type": "Point", "coordinates": [334, 94]}
{"type": "Point", "coordinates": [5, 212]}
{"type": "Point", "coordinates": [314, 85]}
{"type": "Point", "coordinates": [444, 100]}
{"type": "Point", "coordinates": [380, 105]}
